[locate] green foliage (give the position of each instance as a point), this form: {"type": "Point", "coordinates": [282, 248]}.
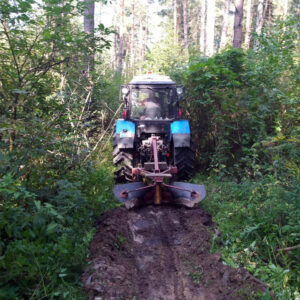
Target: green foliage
{"type": "Point", "coordinates": [244, 108]}
{"type": "Point", "coordinates": [50, 189]}
{"type": "Point", "coordinates": [166, 57]}
{"type": "Point", "coordinates": [44, 243]}
{"type": "Point", "coordinates": [257, 219]}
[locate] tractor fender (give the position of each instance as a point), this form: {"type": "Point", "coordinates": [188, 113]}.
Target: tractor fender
{"type": "Point", "coordinates": [124, 134]}
{"type": "Point", "coordinates": [181, 133]}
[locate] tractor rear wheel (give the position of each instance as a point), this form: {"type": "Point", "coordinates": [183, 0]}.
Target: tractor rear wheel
{"type": "Point", "coordinates": [123, 159]}
{"type": "Point", "coordinates": [184, 161]}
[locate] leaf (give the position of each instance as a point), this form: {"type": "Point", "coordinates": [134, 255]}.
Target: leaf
{"type": "Point", "coordinates": [51, 228]}
{"type": "Point", "coordinates": [37, 204]}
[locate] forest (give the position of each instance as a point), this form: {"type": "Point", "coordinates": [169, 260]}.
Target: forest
{"type": "Point", "coordinates": [61, 67]}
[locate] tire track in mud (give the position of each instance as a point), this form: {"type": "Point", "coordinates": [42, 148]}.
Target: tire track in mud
{"type": "Point", "coordinates": [160, 253]}
{"type": "Point", "coordinates": [160, 256]}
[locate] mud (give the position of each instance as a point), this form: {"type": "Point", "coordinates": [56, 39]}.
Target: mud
{"type": "Point", "coordinates": [161, 253]}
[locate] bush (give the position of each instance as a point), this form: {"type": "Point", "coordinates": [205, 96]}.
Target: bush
{"type": "Point", "coordinates": [243, 106]}
{"type": "Point", "coordinates": [256, 219]}
{"type": "Point", "coordinates": [43, 244]}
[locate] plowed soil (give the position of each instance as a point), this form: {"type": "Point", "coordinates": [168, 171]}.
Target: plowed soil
{"type": "Point", "coordinates": [161, 253]}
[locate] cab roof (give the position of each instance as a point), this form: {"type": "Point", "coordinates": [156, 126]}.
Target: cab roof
{"type": "Point", "coordinates": [151, 79]}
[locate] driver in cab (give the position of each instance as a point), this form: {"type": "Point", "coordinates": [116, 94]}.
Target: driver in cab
{"type": "Point", "coordinates": [152, 109]}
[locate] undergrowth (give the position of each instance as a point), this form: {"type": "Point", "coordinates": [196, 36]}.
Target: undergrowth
{"type": "Point", "coordinates": [256, 220]}
{"type": "Point", "coordinates": [45, 231]}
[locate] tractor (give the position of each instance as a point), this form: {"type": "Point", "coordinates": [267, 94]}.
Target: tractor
{"type": "Point", "coordinates": [152, 148]}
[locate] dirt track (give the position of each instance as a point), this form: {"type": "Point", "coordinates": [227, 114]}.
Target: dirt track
{"type": "Point", "coordinates": [160, 253]}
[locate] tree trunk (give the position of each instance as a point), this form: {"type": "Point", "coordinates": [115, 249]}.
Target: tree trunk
{"type": "Point", "coordinates": [197, 33]}
{"type": "Point", "coordinates": [115, 41]}
{"type": "Point", "coordinates": [141, 41]}
{"type": "Point", "coordinates": [185, 23]}
{"type": "Point", "coordinates": [238, 24]}
{"type": "Point", "coordinates": [89, 21]}
{"type": "Point", "coordinates": [89, 24]}
{"type": "Point", "coordinates": [175, 26]}
{"type": "Point", "coordinates": [203, 26]}
{"type": "Point", "coordinates": [132, 54]}
{"type": "Point", "coordinates": [13, 124]}
{"type": "Point", "coordinates": [210, 27]}
{"type": "Point", "coordinates": [248, 23]}
{"type": "Point", "coordinates": [285, 7]}
{"type": "Point", "coordinates": [147, 31]}
{"type": "Point", "coordinates": [270, 15]}
{"type": "Point", "coordinates": [121, 39]}
{"type": "Point", "coordinates": [267, 4]}
{"type": "Point", "coordinates": [259, 18]}
{"type": "Point", "coordinates": [225, 24]}
{"type": "Point", "coordinates": [178, 30]}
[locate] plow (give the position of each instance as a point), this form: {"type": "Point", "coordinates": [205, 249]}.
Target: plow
{"type": "Point", "coordinates": [152, 146]}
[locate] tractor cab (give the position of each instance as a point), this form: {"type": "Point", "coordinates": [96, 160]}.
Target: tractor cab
{"type": "Point", "coordinates": [152, 97]}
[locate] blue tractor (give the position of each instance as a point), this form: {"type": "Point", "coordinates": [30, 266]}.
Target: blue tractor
{"type": "Point", "coordinates": [152, 146]}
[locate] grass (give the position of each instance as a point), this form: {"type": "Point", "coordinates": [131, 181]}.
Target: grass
{"type": "Point", "coordinates": [256, 218]}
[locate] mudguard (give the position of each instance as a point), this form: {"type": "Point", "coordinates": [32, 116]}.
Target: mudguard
{"type": "Point", "coordinates": [180, 127]}
{"type": "Point", "coordinates": [181, 133]}
{"type": "Point", "coordinates": [125, 133]}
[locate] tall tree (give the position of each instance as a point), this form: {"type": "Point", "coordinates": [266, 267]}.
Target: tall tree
{"type": "Point", "coordinates": [259, 16]}
{"type": "Point", "coordinates": [175, 25]}
{"type": "Point", "coordinates": [89, 25]}
{"type": "Point", "coordinates": [115, 38]}
{"type": "Point", "coordinates": [225, 24]}
{"type": "Point", "coordinates": [121, 38]}
{"type": "Point", "coordinates": [141, 39]}
{"type": "Point", "coordinates": [203, 26]}
{"type": "Point", "coordinates": [248, 23]}
{"type": "Point", "coordinates": [185, 23]}
{"type": "Point", "coordinates": [132, 53]}
{"type": "Point", "coordinates": [285, 7]}
{"type": "Point", "coordinates": [179, 21]}
{"type": "Point", "coordinates": [238, 24]}
{"type": "Point", "coordinates": [266, 8]}
{"type": "Point", "coordinates": [210, 27]}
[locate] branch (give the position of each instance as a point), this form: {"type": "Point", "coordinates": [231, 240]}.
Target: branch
{"type": "Point", "coordinates": [6, 32]}
{"type": "Point", "coordinates": [289, 248]}
{"type": "Point", "coordinates": [45, 67]}
{"type": "Point", "coordinates": [105, 132]}
{"type": "Point", "coordinates": [29, 50]}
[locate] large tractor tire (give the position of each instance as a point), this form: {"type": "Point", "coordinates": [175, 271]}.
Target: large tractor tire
{"type": "Point", "coordinates": [184, 161]}
{"type": "Point", "coordinates": [123, 159]}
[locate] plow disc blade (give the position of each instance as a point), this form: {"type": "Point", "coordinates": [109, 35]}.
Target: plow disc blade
{"type": "Point", "coordinates": [131, 194]}
{"type": "Point", "coordinates": [186, 194]}
{"type": "Point", "coordinates": [179, 193]}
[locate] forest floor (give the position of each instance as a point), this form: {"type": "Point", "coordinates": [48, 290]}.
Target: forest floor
{"type": "Point", "coordinates": [161, 253]}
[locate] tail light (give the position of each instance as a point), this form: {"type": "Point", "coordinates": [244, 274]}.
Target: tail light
{"type": "Point", "coordinates": [180, 113]}
{"type": "Point", "coordinates": [125, 113]}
